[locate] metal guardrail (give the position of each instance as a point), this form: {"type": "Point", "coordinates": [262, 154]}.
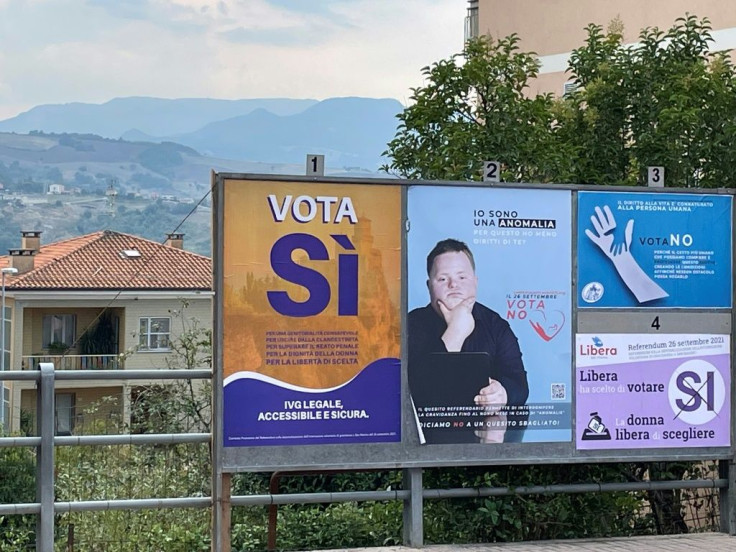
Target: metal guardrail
{"type": "Point", "coordinates": [87, 440]}
{"type": "Point", "coordinates": [412, 495]}
{"type": "Point", "coordinates": [273, 500]}
{"type": "Point", "coordinates": [74, 362]}
{"type": "Point", "coordinates": [45, 444]}
{"type": "Point", "coordinates": [77, 375]}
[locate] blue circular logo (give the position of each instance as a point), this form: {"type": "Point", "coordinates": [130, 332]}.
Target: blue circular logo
{"type": "Point", "coordinates": [592, 292]}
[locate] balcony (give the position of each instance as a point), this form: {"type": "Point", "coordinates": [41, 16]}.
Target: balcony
{"type": "Point", "coordinates": [74, 362]}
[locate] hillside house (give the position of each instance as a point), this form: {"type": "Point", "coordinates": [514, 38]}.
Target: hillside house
{"type": "Point", "coordinates": [83, 302]}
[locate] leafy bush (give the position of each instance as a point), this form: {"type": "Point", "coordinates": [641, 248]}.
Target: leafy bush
{"type": "Point", "coordinates": [17, 485]}
{"type": "Point", "coordinates": [127, 472]}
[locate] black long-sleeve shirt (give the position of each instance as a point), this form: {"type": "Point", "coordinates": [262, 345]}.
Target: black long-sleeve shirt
{"type": "Point", "coordinates": [492, 335]}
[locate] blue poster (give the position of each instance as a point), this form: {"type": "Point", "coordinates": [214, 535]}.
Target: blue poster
{"type": "Point", "coordinates": [489, 322]}
{"type": "Point", "coordinates": [654, 250]}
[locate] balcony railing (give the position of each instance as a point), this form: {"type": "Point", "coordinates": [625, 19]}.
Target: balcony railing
{"type": "Point", "coordinates": [74, 362]}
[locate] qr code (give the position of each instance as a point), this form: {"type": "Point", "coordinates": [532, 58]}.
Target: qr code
{"type": "Point", "coordinates": [559, 391]}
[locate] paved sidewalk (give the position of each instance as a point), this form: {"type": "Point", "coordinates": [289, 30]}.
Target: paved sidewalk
{"type": "Point", "coordinates": [711, 542]}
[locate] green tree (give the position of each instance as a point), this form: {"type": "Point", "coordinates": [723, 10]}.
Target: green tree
{"type": "Point", "coordinates": [474, 107]}
{"type": "Point", "coordinates": [181, 405]}
{"type": "Point", "coordinates": [593, 120]}
{"type": "Point", "coordinates": [665, 101]}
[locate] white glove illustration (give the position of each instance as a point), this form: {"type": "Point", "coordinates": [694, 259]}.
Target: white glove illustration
{"type": "Point", "coordinates": [638, 282]}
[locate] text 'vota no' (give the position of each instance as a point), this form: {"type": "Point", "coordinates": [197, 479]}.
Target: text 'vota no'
{"type": "Point", "coordinates": [305, 209]}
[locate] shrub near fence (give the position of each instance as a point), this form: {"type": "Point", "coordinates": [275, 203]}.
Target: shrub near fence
{"type": "Point", "coordinates": [184, 470]}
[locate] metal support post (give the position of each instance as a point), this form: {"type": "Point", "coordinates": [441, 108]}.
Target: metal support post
{"type": "Point", "coordinates": [217, 521]}
{"type": "Point", "coordinates": [226, 510]}
{"type": "Point", "coordinates": [221, 505]}
{"type": "Point", "coordinates": [727, 497]}
{"type": "Point", "coordinates": [45, 459]}
{"type": "Point", "coordinates": [413, 508]}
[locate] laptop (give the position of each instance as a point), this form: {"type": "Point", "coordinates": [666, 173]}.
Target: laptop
{"type": "Point", "coordinates": [443, 388]}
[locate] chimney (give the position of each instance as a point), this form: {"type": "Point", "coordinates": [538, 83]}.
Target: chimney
{"type": "Point", "coordinates": [22, 259]}
{"type": "Point", "coordinates": [175, 240]}
{"type": "Point", "coordinates": [30, 239]}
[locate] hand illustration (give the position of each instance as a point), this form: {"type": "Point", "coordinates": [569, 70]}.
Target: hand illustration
{"type": "Point", "coordinates": [604, 224]}
{"type": "Point", "coordinates": [638, 282]}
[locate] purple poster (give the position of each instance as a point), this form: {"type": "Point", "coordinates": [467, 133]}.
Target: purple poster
{"type": "Point", "coordinates": [652, 391]}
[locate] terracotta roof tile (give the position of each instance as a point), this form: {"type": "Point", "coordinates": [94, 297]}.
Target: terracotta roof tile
{"type": "Point", "coordinates": [96, 262]}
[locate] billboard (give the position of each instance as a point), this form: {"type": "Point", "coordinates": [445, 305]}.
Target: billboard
{"type": "Point", "coordinates": [489, 326]}
{"type": "Point", "coordinates": [655, 250]}
{"type": "Point", "coordinates": [310, 313]}
{"type": "Point", "coordinates": [467, 324]}
{"type": "Point", "coordinates": [639, 391]}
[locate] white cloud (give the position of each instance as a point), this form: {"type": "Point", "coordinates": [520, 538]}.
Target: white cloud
{"type": "Point", "coordinates": [225, 49]}
{"type": "Point", "coordinates": [380, 53]}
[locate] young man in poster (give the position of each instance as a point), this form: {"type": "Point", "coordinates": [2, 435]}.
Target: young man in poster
{"type": "Point", "coordinates": [453, 322]}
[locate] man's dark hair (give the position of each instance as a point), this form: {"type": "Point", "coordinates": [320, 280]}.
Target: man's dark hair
{"type": "Point", "coordinates": [448, 246]}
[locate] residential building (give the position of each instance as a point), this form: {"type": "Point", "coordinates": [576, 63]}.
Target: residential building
{"type": "Point", "coordinates": [553, 28]}
{"type": "Point", "coordinates": [105, 300]}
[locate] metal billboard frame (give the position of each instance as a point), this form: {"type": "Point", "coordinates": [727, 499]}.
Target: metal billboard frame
{"type": "Point", "coordinates": [409, 453]}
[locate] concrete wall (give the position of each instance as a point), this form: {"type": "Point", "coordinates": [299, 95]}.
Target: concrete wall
{"type": "Point", "coordinates": [553, 28]}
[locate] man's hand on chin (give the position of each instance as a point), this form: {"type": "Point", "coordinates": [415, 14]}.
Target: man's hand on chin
{"type": "Point", "coordinates": [459, 320]}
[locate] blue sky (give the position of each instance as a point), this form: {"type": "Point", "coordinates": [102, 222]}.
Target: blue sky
{"type": "Point", "coordinates": [60, 51]}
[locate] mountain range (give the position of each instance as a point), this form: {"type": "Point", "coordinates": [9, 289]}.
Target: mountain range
{"type": "Point", "coordinates": [143, 165]}
{"type": "Point", "coordinates": [151, 116]}
{"type": "Point", "coordinates": [350, 132]}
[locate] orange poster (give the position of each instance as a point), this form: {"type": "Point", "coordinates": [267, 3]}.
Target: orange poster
{"type": "Point", "coordinates": [311, 320]}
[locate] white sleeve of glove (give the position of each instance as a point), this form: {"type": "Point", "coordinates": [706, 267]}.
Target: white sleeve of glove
{"type": "Point", "coordinates": [641, 285]}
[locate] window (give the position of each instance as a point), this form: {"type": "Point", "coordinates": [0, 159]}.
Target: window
{"type": "Point", "coordinates": [64, 413]}
{"type": "Point", "coordinates": [154, 334]}
{"type": "Point", "coordinates": [58, 329]}
{"type": "Point", "coordinates": [569, 87]}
